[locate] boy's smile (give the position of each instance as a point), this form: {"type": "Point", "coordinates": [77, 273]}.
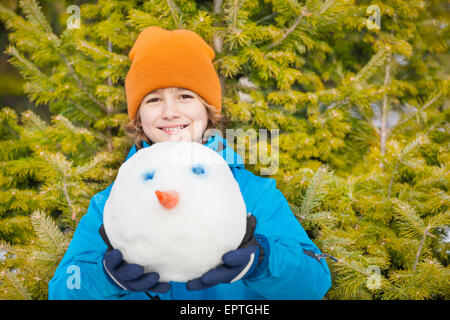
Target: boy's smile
{"type": "Point", "coordinates": [173, 114]}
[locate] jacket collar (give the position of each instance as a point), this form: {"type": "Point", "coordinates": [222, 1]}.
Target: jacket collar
{"type": "Point", "coordinates": [215, 142]}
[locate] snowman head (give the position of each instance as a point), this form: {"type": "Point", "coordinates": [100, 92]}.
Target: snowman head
{"type": "Point", "coordinates": [170, 174]}
{"type": "Point", "coordinates": [172, 196]}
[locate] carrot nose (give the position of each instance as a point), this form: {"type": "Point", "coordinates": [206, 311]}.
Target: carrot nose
{"type": "Point", "coordinates": [168, 199]}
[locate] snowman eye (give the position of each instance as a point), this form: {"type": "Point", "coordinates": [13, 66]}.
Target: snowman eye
{"type": "Point", "coordinates": [149, 175]}
{"type": "Point", "coordinates": [198, 170]}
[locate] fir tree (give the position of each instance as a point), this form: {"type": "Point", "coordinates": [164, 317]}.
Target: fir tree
{"type": "Point", "coordinates": [362, 115]}
{"type": "Point", "coordinates": [37, 261]}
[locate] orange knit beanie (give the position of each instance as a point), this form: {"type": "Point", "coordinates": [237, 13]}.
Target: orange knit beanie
{"type": "Point", "coordinates": [180, 58]}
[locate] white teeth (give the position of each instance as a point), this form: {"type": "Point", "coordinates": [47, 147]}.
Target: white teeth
{"type": "Point", "coordinates": [173, 129]}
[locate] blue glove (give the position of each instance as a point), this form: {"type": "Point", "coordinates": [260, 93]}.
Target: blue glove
{"type": "Point", "coordinates": [237, 264]}
{"type": "Point", "coordinates": [129, 276]}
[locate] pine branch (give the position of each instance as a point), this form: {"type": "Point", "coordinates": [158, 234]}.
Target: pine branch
{"type": "Point", "coordinates": [419, 250]}
{"type": "Point", "coordinates": [69, 201]}
{"type": "Point", "coordinates": [429, 103]}
{"type": "Point", "coordinates": [176, 14]}
{"type": "Point", "coordinates": [404, 152]}
{"type": "Point", "coordinates": [97, 160]}
{"type": "Point", "coordinates": [288, 31]}
{"type": "Point", "coordinates": [324, 7]}
{"type": "Point", "coordinates": [7, 116]}
{"type": "Point", "coordinates": [109, 109]}
{"type": "Point", "coordinates": [33, 10]}
{"type": "Point", "coordinates": [16, 285]}
{"type": "Point", "coordinates": [98, 52]}
{"type": "Point", "coordinates": [218, 38]}
{"type": "Point", "coordinates": [411, 225]}
{"type": "Point", "coordinates": [235, 12]}
{"type": "Point", "coordinates": [373, 65]}
{"type": "Point", "coordinates": [270, 16]}
{"type": "Point", "coordinates": [30, 117]}
{"type": "Point", "coordinates": [394, 172]}
{"type": "Point", "coordinates": [11, 50]}
{"type": "Point", "coordinates": [355, 273]}
{"type": "Point", "coordinates": [48, 232]}
{"type": "Point", "coordinates": [385, 112]}
{"type": "Point", "coordinates": [439, 220]}
{"type": "Point", "coordinates": [315, 219]}
{"type": "Point", "coordinates": [83, 110]}
{"type": "Point", "coordinates": [80, 83]}
{"type": "Point", "coordinates": [65, 123]}
{"type": "Point", "coordinates": [52, 160]}
{"type": "Point", "coordinates": [304, 13]}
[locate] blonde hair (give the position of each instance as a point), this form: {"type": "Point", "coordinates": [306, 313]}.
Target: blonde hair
{"type": "Point", "coordinates": [134, 129]}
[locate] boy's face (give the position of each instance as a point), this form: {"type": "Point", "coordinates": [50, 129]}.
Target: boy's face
{"type": "Point", "coordinates": [172, 107]}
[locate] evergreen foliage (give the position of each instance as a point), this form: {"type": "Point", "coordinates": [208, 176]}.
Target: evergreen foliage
{"type": "Point", "coordinates": [362, 115]}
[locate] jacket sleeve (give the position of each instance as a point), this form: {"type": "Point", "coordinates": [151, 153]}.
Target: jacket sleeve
{"type": "Point", "coordinates": [80, 274]}
{"type": "Point", "coordinates": [286, 272]}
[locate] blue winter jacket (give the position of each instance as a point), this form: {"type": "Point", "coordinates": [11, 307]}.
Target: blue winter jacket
{"type": "Point", "coordinates": [286, 272]}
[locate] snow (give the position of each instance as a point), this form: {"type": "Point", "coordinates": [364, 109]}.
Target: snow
{"type": "Point", "coordinates": [184, 241]}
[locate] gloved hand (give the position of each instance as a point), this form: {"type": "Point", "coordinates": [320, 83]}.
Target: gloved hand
{"type": "Point", "coordinates": [129, 276]}
{"type": "Point", "coordinates": [237, 264]}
